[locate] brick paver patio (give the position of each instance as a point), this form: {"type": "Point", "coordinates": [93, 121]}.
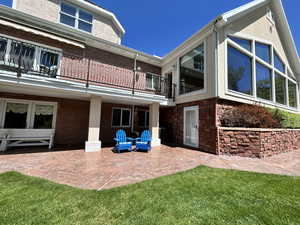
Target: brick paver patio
{"type": "Point", "coordinates": [106, 169]}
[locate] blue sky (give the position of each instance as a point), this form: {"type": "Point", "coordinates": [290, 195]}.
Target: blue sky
{"type": "Point", "coordinates": [158, 26]}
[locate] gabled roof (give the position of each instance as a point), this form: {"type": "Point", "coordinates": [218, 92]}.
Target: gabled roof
{"type": "Point", "coordinates": [233, 15]}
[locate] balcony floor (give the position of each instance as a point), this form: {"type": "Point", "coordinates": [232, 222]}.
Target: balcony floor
{"type": "Point", "coordinates": [105, 169]}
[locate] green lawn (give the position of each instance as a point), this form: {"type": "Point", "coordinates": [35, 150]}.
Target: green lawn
{"type": "Point", "coordinates": [199, 196]}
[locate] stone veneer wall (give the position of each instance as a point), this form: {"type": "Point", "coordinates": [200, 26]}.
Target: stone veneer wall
{"type": "Point", "coordinates": [255, 142]}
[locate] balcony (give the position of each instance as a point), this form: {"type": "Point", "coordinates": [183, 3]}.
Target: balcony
{"type": "Point", "coordinates": [26, 58]}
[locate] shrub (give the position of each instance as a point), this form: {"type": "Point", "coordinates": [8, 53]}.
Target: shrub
{"type": "Point", "coordinates": [286, 119]}
{"type": "Point", "coordinates": [250, 116]}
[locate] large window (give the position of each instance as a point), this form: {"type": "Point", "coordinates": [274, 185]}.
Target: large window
{"type": "Point", "coordinates": [43, 116]}
{"type": "Point", "coordinates": [31, 57]}
{"type": "Point", "coordinates": [273, 79]}
{"type": "Point", "coordinates": [3, 45]}
{"type": "Point", "coordinates": [192, 70]}
{"type": "Point", "coordinates": [280, 89]}
{"type": "Point", "coordinates": [16, 115]}
{"type": "Point", "coordinates": [153, 81]}
{"type": "Point", "coordinates": [121, 117]}
{"type": "Point", "coordinates": [239, 71]}
{"type": "Point", "coordinates": [263, 82]}
{"type": "Point", "coordinates": [76, 17]}
{"type": "Point", "coordinates": [263, 51]}
{"type": "Point", "coordinates": [27, 114]}
{"type": "Point", "coordinates": [292, 94]}
{"type": "Point", "coordinates": [278, 63]}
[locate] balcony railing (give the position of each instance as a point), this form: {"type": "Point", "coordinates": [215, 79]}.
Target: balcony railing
{"type": "Point", "coordinates": [26, 58]}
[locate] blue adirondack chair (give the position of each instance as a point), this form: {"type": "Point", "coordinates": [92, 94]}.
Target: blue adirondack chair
{"type": "Point", "coordinates": [144, 142]}
{"type": "Point", "coordinates": [122, 142]}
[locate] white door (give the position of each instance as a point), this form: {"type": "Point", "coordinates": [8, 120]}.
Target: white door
{"type": "Point", "coordinates": [191, 121]}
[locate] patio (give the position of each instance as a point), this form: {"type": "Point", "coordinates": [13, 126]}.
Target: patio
{"type": "Point", "coordinates": [105, 169]}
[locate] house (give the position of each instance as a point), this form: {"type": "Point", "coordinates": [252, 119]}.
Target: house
{"type": "Point", "coordinates": [65, 74]}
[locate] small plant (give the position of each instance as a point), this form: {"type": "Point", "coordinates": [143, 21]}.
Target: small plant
{"type": "Point", "coordinates": [286, 119]}
{"type": "Point", "coordinates": [250, 116]}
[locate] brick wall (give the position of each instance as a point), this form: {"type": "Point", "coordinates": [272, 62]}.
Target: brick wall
{"type": "Point", "coordinates": [252, 142]}
{"type": "Point", "coordinates": [71, 121]}
{"type": "Point", "coordinates": [207, 123]}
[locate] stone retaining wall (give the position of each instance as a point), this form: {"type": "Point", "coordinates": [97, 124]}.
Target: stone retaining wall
{"type": "Point", "coordinates": [253, 142]}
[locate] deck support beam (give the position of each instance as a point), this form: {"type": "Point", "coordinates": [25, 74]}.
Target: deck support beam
{"type": "Point", "coordinates": [94, 144]}
{"type": "Point", "coordinates": [154, 124]}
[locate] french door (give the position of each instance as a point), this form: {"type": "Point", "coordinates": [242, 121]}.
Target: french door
{"type": "Point", "coordinates": [191, 126]}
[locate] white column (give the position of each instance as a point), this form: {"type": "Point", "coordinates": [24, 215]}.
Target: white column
{"type": "Point", "coordinates": [154, 124]}
{"type": "Point", "coordinates": [94, 144]}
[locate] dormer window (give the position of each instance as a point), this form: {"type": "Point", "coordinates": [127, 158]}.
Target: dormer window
{"type": "Point", "coordinates": [76, 17]}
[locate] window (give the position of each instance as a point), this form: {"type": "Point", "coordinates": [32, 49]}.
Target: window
{"type": "Point", "coordinates": [121, 117]}
{"type": "Point", "coordinates": [263, 82]}
{"type": "Point", "coordinates": [192, 70]}
{"type": "Point", "coordinates": [143, 118]}
{"type": "Point", "coordinates": [246, 44]}
{"type": "Point", "coordinates": [32, 57]}
{"type": "Point", "coordinates": [27, 53]}
{"type": "Point", "coordinates": [3, 46]}
{"type": "Point", "coordinates": [16, 115]}
{"type": "Point", "coordinates": [152, 81]}
{"type": "Point", "coordinates": [292, 94]}
{"type": "Point", "coordinates": [239, 71]}
{"type": "Point", "coordinates": [23, 114]}
{"type": "Point", "coordinates": [280, 87]}
{"type": "Point", "coordinates": [49, 62]}
{"type": "Point", "coordinates": [274, 81]}
{"type": "Point", "coordinates": [76, 17]}
{"type": "Point", "coordinates": [263, 51]}
{"type": "Point", "coordinates": [278, 63]}
{"type": "Point", "coordinates": [43, 116]}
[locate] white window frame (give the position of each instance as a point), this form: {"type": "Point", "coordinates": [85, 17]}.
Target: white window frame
{"type": "Point", "coordinates": [76, 17]}
{"type": "Point", "coordinates": [38, 48]}
{"type": "Point", "coordinates": [255, 59]}
{"type": "Point", "coordinates": [30, 112]}
{"type": "Point", "coordinates": [121, 118]}
{"type": "Point", "coordinates": [191, 48]}
{"type": "Point", "coordinates": [152, 81]}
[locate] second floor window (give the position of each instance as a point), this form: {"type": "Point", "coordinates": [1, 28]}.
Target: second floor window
{"type": "Point", "coordinates": [32, 58]}
{"type": "Point", "coordinates": [76, 17]}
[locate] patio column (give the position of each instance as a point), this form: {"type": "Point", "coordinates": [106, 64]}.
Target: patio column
{"type": "Point", "coordinates": [154, 124]}
{"type": "Point", "coordinates": [94, 144]}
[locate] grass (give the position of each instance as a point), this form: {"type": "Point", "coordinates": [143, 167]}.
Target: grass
{"type": "Point", "coordinates": [200, 196]}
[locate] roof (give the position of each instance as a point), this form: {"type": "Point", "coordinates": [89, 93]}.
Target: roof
{"type": "Point", "coordinates": [94, 4]}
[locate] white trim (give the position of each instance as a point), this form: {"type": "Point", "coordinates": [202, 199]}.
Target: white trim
{"type": "Point", "coordinates": [76, 17]}
{"type": "Point", "coordinates": [196, 109]}
{"type": "Point", "coordinates": [121, 118]}
{"type": "Point", "coordinates": [30, 111]}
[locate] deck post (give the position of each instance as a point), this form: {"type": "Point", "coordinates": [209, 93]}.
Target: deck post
{"type": "Point", "coordinates": [94, 144]}
{"type": "Point", "coordinates": [154, 124]}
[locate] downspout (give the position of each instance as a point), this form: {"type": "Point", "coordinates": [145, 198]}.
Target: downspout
{"type": "Point", "coordinates": [134, 73]}
{"type": "Point", "coordinates": [132, 119]}
{"type": "Point", "coordinates": [216, 35]}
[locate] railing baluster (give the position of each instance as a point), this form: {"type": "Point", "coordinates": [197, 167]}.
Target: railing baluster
{"type": "Point", "coordinates": [88, 73]}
